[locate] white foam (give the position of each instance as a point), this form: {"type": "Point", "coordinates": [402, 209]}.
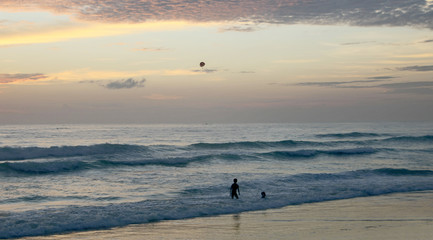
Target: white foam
{"type": "Point", "coordinates": [214, 200]}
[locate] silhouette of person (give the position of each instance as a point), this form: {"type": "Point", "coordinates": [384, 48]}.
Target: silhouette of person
{"type": "Point", "coordinates": [263, 194]}
{"type": "Point", "coordinates": [234, 189]}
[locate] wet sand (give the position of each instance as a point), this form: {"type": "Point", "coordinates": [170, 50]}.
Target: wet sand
{"type": "Point", "coordinates": [394, 216]}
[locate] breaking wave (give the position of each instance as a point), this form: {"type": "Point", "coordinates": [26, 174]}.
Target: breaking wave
{"type": "Point", "coordinates": [288, 190]}
{"type": "Point", "coordinates": [123, 158]}
{"type": "Point", "coordinates": [21, 153]}
{"type": "Point", "coordinates": [351, 135]}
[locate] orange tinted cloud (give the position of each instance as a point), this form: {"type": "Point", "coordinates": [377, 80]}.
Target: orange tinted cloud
{"type": "Point", "coordinates": [10, 78]}
{"type": "Point", "coordinates": [24, 34]}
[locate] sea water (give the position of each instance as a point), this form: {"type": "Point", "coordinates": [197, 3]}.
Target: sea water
{"type": "Point", "coordinates": [61, 178]}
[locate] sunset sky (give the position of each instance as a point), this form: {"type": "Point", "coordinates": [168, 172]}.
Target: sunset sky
{"type": "Point", "coordinates": [137, 61]}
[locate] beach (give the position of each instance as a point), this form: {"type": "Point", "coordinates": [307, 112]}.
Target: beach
{"type": "Point", "coordinates": [394, 216]}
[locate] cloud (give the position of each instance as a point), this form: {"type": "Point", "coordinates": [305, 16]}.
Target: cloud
{"type": "Point", "coordinates": [24, 33]}
{"type": "Point", "coordinates": [345, 84]}
{"type": "Point", "coordinates": [205, 71]}
{"type": "Point", "coordinates": [125, 84]}
{"type": "Point", "coordinates": [90, 82]}
{"type": "Point", "coordinates": [417, 68]}
{"type": "Point", "coordinates": [247, 28]}
{"type": "Point", "coordinates": [417, 91]}
{"type": "Point", "coordinates": [322, 84]}
{"type": "Point", "coordinates": [356, 43]}
{"type": "Point", "coordinates": [415, 13]}
{"type": "Point", "coordinates": [381, 77]}
{"type": "Point", "coordinates": [10, 78]}
{"type": "Point", "coordinates": [425, 87]}
{"type": "Point", "coordinates": [408, 85]}
{"type": "Point", "coordinates": [421, 87]}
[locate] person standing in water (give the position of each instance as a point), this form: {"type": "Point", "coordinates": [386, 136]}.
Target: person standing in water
{"type": "Point", "coordinates": [234, 189]}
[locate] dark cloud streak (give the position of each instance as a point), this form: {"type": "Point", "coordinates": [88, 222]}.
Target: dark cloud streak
{"type": "Point", "coordinates": [381, 77]}
{"type": "Point", "coordinates": [421, 87]}
{"type": "Point", "coordinates": [9, 78]}
{"type": "Point", "coordinates": [407, 85]}
{"type": "Point", "coordinates": [417, 68]}
{"type": "Point", "coordinates": [344, 84]}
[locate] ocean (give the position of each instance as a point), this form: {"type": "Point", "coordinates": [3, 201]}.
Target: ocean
{"type": "Point", "coordinates": [68, 178]}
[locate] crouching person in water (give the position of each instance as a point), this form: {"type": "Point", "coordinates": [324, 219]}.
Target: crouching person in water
{"type": "Point", "coordinates": [234, 189]}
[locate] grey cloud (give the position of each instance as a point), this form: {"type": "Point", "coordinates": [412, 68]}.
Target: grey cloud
{"type": "Point", "coordinates": [89, 81]}
{"type": "Point", "coordinates": [417, 68]}
{"type": "Point", "coordinates": [428, 41]}
{"type": "Point", "coordinates": [205, 70]}
{"type": "Point", "coordinates": [128, 83]}
{"type": "Point", "coordinates": [416, 13]}
{"type": "Point", "coordinates": [239, 29]}
{"type": "Point", "coordinates": [418, 91]}
{"type": "Point", "coordinates": [409, 87]}
{"type": "Point", "coordinates": [381, 77]}
{"type": "Point", "coordinates": [423, 87]}
{"type": "Point", "coordinates": [321, 84]}
{"type": "Point", "coordinates": [356, 43]}
{"type": "Point", "coordinates": [8, 78]}
{"type": "Point", "coordinates": [344, 84]}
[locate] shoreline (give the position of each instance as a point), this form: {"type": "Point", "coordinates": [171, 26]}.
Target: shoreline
{"type": "Point", "coordinates": [393, 216]}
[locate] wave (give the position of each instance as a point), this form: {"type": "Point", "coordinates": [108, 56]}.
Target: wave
{"type": "Point", "coordinates": [364, 173]}
{"type": "Point", "coordinates": [65, 166]}
{"type": "Point", "coordinates": [256, 144]}
{"type": "Point", "coordinates": [62, 159]}
{"type": "Point", "coordinates": [352, 135]}
{"type": "Point", "coordinates": [398, 172]}
{"type": "Point", "coordinates": [71, 165]}
{"type": "Point", "coordinates": [21, 153]}
{"type": "Point", "coordinates": [314, 153]}
{"type": "Point", "coordinates": [376, 138]}
{"type": "Point", "coordinates": [29, 168]}
{"type": "Point", "coordinates": [213, 200]}
{"type": "Point", "coordinates": [59, 166]}
{"type": "Point", "coordinates": [412, 139]}
{"type": "Point", "coordinates": [352, 138]}
{"type": "Point", "coordinates": [40, 198]}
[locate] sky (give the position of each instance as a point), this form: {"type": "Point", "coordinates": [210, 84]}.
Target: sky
{"type": "Point", "coordinates": [267, 61]}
